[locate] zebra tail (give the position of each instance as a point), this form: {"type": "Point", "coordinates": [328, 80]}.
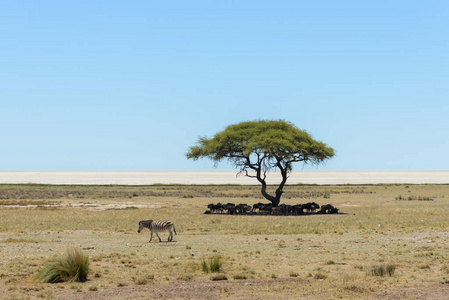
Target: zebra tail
{"type": "Point", "coordinates": [174, 229]}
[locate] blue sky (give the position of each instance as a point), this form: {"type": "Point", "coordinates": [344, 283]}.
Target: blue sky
{"type": "Point", "coordinates": [130, 85]}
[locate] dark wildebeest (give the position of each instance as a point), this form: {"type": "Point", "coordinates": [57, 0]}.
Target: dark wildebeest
{"type": "Point", "coordinates": [276, 210]}
{"type": "Point", "coordinates": [265, 209]}
{"type": "Point", "coordinates": [311, 206]}
{"type": "Point", "coordinates": [298, 209]}
{"type": "Point", "coordinates": [242, 209]}
{"type": "Point", "coordinates": [215, 208]}
{"type": "Point", "coordinates": [328, 209]}
{"type": "Point", "coordinates": [257, 206]}
{"type": "Point", "coordinates": [230, 207]}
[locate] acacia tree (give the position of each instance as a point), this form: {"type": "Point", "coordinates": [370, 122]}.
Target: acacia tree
{"type": "Point", "coordinates": [256, 147]}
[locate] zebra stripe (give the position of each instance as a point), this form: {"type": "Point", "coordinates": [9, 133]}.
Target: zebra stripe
{"type": "Point", "coordinates": [158, 226]}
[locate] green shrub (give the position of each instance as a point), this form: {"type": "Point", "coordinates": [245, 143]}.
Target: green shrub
{"type": "Point", "coordinates": [73, 266]}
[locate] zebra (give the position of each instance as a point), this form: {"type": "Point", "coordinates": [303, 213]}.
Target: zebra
{"type": "Point", "coordinates": [158, 226]}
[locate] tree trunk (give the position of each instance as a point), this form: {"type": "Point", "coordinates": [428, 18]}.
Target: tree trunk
{"type": "Point", "coordinates": [275, 200]}
{"type": "Point", "coordinates": [279, 191]}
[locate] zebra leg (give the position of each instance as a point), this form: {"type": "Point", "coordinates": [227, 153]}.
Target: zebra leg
{"type": "Point", "coordinates": [170, 236]}
{"type": "Point", "coordinates": [151, 237]}
{"type": "Point", "coordinates": [158, 237]}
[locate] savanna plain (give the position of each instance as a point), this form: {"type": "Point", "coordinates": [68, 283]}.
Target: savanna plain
{"type": "Point", "coordinates": [387, 242]}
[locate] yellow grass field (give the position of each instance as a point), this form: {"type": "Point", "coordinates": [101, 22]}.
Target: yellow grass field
{"type": "Point", "coordinates": [403, 229]}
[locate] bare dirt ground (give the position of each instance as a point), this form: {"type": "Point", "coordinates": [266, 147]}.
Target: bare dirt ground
{"type": "Point", "coordinates": [248, 289]}
{"type": "Point", "coordinates": [203, 288]}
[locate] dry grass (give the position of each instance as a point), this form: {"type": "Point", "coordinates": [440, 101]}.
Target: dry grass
{"type": "Point", "coordinates": [73, 266]}
{"type": "Point", "coordinates": [333, 255]}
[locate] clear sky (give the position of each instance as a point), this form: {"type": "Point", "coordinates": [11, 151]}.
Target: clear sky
{"type": "Point", "coordinates": [130, 85]}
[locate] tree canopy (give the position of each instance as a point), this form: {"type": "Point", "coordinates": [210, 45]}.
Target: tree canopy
{"type": "Point", "coordinates": [256, 147]}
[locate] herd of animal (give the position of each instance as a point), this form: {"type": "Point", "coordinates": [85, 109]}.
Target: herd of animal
{"type": "Point", "coordinates": [268, 209]}
{"type": "Point", "coordinates": [242, 209]}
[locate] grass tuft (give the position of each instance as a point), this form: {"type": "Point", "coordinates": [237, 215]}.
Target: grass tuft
{"type": "Point", "coordinates": [320, 276]}
{"type": "Point", "coordinates": [219, 277]}
{"type": "Point", "coordinates": [383, 270]}
{"type": "Point", "coordinates": [144, 279]}
{"type": "Point", "coordinates": [240, 276]}
{"type": "Point", "coordinates": [204, 266]}
{"type": "Point", "coordinates": [214, 265]}
{"type": "Point", "coordinates": [73, 266]}
{"type": "Point", "coordinates": [294, 274]}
